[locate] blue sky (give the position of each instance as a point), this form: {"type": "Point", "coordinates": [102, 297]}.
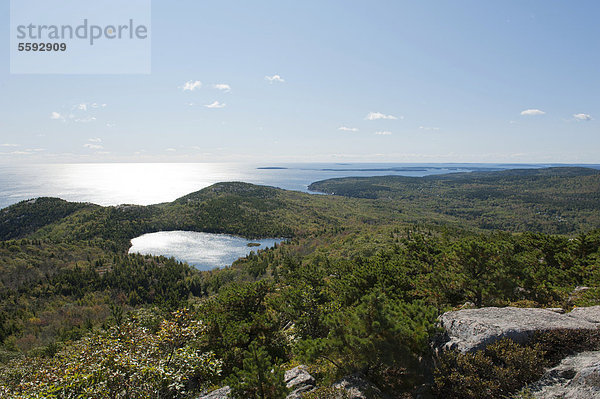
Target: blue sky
{"type": "Point", "coordinates": [390, 81]}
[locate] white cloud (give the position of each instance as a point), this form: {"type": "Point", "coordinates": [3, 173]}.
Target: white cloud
{"type": "Point", "coordinates": [95, 140]}
{"type": "Point", "coordinates": [428, 128]}
{"type": "Point", "coordinates": [82, 107]}
{"type": "Point", "coordinates": [348, 129]}
{"type": "Point", "coordinates": [83, 120]}
{"type": "Point", "coordinates": [532, 112]}
{"type": "Point", "coordinates": [191, 85]}
{"type": "Point", "coordinates": [9, 145]}
{"type": "Point", "coordinates": [171, 150]}
{"type": "Point", "coordinates": [56, 115]}
{"type": "Point", "coordinates": [90, 146]}
{"type": "Point", "coordinates": [583, 117]}
{"type": "Point", "coordinates": [222, 86]}
{"type": "Point", "coordinates": [215, 104]}
{"type": "Point", "coordinates": [378, 115]}
{"type": "Point", "coordinates": [274, 78]}
{"type": "Point", "coordinates": [383, 133]}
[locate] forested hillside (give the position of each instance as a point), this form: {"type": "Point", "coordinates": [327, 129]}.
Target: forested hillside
{"type": "Point", "coordinates": [553, 200]}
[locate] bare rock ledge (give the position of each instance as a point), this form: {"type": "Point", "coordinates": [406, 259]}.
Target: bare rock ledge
{"type": "Point", "coordinates": [472, 329]}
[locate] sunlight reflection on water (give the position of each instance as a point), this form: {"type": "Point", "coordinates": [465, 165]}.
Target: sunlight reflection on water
{"type": "Point", "coordinates": [151, 183]}
{"type": "Point", "coordinates": [205, 251]}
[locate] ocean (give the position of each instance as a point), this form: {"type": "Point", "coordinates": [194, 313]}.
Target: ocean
{"type": "Point", "coordinates": [150, 183]}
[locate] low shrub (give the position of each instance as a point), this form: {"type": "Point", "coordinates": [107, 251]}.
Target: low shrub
{"type": "Point", "coordinates": [495, 372]}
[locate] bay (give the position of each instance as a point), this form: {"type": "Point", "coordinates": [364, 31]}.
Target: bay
{"type": "Point", "coordinates": [150, 183]}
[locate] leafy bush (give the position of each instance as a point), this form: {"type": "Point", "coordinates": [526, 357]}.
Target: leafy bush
{"type": "Point", "coordinates": [127, 361]}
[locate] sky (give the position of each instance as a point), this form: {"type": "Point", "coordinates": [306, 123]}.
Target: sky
{"type": "Point", "coordinates": [330, 81]}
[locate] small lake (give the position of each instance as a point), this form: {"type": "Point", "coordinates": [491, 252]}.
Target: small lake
{"type": "Point", "coordinates": [204, 251]}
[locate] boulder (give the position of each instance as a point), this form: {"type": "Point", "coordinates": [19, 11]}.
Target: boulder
{"type": "Point", "coordinates": [576, 377]}
{"type": "Point", "coordinates": [356, 387]}
{"type": "Point", "coordinates": [221, 393]}
{"type": "Point", "coordinates": [591, 314]}
{"type": "Point", "coordinates": [472, 329]}
{"type": "Point", "coordinates": [298, 381]}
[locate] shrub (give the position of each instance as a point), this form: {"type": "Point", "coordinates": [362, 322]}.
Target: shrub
{"type": "Point", "coordinates": [496, 372]}
{"type": "Point", "coordinates": [557, 344]}
{"type": "Point", "coordinates": [127, 361]}
{"type": "Point", "coordinates": [327, 393]}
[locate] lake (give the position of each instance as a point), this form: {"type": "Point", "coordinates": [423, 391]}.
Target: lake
{"type": "Point", "coordinates": [150, 183]}
{"type": "Point", "coordinates": [205, 251]}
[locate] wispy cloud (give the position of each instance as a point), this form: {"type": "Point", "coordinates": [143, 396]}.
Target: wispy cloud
{"type": "Point", "coordinates": [9, 145]}
{"type": "Point", "coordinates": [91, 146]}
{"type": "Point", "coordinates": [215, 104]}
{"type": "Point", "coordinates": [171, 150]}
{"type": "Point", "coordinates": [88, 106]}
{"type": "Point", "coordinates": [222, 86]}
{"type": "Point", "coordinates": [274, 78]}
{"type": "Point", "coordinates": [583, 117]}
{"type": "Point", "coordinates": [94, 144]}
{"type": "Point", "coordinates": [532, 112]}
{"type": "Point", "coordinates": [348, 129]}
{"type": "Point", "coordinates": [383, 133]}
{"type": "Point", "coordinates": [372, 116]}
{"type": "Point", "coordinates": [191, 85]}
{"type": "Point", "coordinates": [85, 119]}
{"type": "Point", "coordinates": [79, 113]}
{"type": "Point", "coordinates": [428, 128]}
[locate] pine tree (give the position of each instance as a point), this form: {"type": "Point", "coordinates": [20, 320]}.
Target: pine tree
{"type": "Point", "coordinates": [259, 378]}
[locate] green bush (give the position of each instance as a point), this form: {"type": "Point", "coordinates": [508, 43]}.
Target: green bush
{"type": "Point", "coordinates": [558, 344]}
{"type": "Point", "coordinates": [496, 372]}
{"type": "Point", "coordinates": [327, 393]}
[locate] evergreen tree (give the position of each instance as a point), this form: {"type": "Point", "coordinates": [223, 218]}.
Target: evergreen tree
{"type": "Point", "coordinates": [259, 378]}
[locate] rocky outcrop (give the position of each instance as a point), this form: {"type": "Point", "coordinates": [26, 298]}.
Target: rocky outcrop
{"type": "Point", "coordinates": [591, 314]}
{"type": "Point", "coordinates": [472, 329]}
{"type": "Point", "coordinates": [221, 393]}
{"type": "Point", "coordinates": [298, 381]}
{"type": "Point", "coordinates": [576, 377]}
{"type": "Point", "coordinates": [356, 387]}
